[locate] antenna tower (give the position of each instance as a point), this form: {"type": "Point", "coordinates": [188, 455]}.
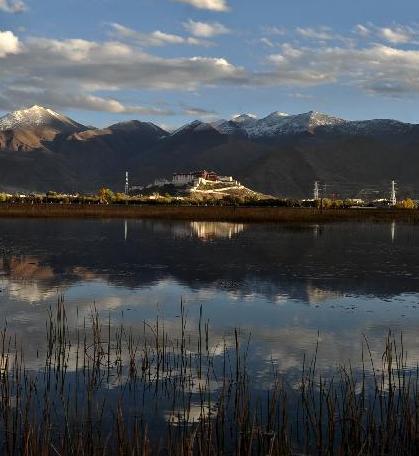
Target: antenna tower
{"type": "Point", "coordinates": [393, 197]}
{"type": "Point", "coordinates": [316, 193]}
{"type": "Point", "coordinates": [126, 183]}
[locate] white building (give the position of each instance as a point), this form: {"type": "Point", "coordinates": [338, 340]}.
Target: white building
{"type": "Point", "coordinates": [180, 179]}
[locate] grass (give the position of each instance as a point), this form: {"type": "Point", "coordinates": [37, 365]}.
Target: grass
{"type": "Point", "coordinates": [106, 389]}
{"type": "Point", "coordinates": [240, 214]}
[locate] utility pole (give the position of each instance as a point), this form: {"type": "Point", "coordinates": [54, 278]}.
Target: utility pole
{"type": "Point", "coordinates": [316, 192]}
{"type": "Point", "coordinates": [126, 183]}
{"type": "Point", "coordinates": [393, 197]}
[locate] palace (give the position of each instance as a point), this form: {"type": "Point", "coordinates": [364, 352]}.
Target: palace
{"type": "Point", "coordinates": [190, 179]}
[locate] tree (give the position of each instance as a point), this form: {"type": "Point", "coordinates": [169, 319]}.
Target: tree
{"type": "Point", "coordinates": [105, 195]}
{"type": "Point", "coordinates": [407, 203]}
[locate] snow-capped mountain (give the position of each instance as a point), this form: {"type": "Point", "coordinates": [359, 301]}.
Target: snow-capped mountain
{"type": "Point", "coordinates": [38, 116]}
{"type": "Point", "coordinates": [280, 124]}
{"type": "Point", "coordinates": [276, 123]}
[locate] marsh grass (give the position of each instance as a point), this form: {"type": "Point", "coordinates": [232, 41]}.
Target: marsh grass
{"type": "Point", "coordinates": [106, 389]}
{"type": "Point", "coordinates": [231, 213]}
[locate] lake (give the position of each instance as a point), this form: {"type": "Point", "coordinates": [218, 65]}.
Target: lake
{"type": "Point", "coordinates": [282, 289]}
{"type": "Point", "coordinates": [287, 286]}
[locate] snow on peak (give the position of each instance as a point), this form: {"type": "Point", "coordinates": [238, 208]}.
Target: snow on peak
{"type": "Point", "coordinates": [276, 123]}
{"type": "Point", "coordinates": [37, 116]}
{"type": "Point", "coordinates": [277, 114]}
{"type": "Point", "coordinates": [241, 118]}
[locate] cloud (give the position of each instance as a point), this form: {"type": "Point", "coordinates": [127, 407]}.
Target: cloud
{"type": "Point", "coordinates": [198, 112]}
{"type": "Point", "coordinates": [266, 42]}
{"type": "Point", "coordinates": [95, 103]}
{"type": "Point", "coordinates": [377, 69]}
{"type": "Point", "coordinates": [16, 98]}
{"type": "Point", "coordinates": [156, 38]}
{"type": "Point", "coordinates": [272, 30]}
{"type": "Point", "coordinates": [12, 6]}
{"type": "Point", "coordinates": [362, 30]}
{"type": "Point", "coordinates": [212, 5]}
{"type": "Point", "coordinates": [397, 34]}
{"type": "Point", "coordinates": [205, 29]}
{"type": "Point", "coordinates": [82, 74]}
{"type": "Point", "coordinates": [70, 73]}
{"type": "Point", "coordinates": [112, 66]}
{"type": "Point", "coordinates": [9, 44]}
{"type": "Point", "coordinates": [304, 96]}
{"type": "Point", "coordinates": [319, 33]}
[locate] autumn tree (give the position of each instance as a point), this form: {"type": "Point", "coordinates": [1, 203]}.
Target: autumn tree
{"type": "Point", "coordinates": [407, 203]}
{"type": "Point", "coordinates": [105, 195]}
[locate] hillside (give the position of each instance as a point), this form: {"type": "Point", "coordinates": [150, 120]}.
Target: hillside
{"type": "Point", "coordinates": [207, 189]}
{"type": "Point", "coordinates": [279, 154]}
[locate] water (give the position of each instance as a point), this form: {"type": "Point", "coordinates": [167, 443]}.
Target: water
{"type": "Point", "coordinates": [286, 287]}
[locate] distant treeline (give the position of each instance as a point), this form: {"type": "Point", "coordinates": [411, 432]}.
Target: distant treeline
{"type": "Point", "coordinates": [106, 196]}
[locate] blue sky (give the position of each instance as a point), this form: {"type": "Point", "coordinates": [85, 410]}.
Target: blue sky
{"type": "Point", "coordinates": [171, 61]}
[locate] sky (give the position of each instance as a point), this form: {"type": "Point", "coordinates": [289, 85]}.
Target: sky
{"type": "Point", "coordinates": [174, 61]}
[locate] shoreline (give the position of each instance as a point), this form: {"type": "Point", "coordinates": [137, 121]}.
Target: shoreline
{"type": "Point", "coordinates": [244, 214]}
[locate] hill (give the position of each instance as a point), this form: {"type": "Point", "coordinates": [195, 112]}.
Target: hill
{"type": "Point", "coordinates": [204, 188]}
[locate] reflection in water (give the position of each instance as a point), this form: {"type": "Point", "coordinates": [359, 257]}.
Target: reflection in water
{"type": "Point", "coordinates": [393, 230]}
{"type": "Point", "coordinates": [316, 231]}
{"type": "Point", "coordinates": [317, 295]}
{"type": "Point", "coordinates": [279, 283]}
{"type": "Point", "coordinates": [208, 230]}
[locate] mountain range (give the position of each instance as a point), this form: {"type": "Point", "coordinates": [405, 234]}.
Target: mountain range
{"type": "Point", "coordinates": [279, 154]}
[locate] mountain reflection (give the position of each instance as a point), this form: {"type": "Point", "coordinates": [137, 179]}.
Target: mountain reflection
{"type": "Point", "coordinates": [270, 260]}
{"type": "Point", "coordinates": [280, 283]}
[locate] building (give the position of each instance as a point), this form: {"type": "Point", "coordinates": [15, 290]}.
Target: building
{"type": "Point", "coordinates": [192, 179]}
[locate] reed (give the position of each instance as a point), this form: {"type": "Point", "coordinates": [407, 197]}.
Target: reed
{"type": "Point", "coordinates": [106, 389]}
{"type": "Point", "coordinates": [239, 214]}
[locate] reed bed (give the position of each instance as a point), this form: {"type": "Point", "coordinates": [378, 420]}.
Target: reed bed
{"type": "Point", "coordinates": [106, 389]}
{"type": "Point", "coordinates": [239, 214]}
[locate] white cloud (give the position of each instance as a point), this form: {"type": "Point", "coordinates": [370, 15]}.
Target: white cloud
{"type": "Point", "coordinates": [94, 103]}
{"type": "Point", "coordinates": [198, 112]}
{"type": "Point", "coordinates": [267, 42]}
{"type": "Point", "coordinates": [273, 30]}
{"type": "Point", "coordinates": [156, 38]}
{"type": "Point", "coordinates": [69, 73]}
{"type": "Point", "coordinates": [78, 73]}
{"type": "Point", "coordinates": [362, 30]}
{"type": "Point", "coordinates": [12, 6]}
{"type": "Point", "coordinates": [319, 33]}
{"type": "Point", "coordinates": [18, 97]}
{"type": "Point", "coordinates": [377, 69]}
{"type": "Point", "coordinates": [9, 44]}
{"type": "Point", "coordinates": [205, 29]}
{"type": "Point", "coordinates": [212, 5]}
{"type": "Point", "coordinates": [397, 34]}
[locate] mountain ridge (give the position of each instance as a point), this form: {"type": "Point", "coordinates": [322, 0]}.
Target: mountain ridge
{"type": "Point", "coordinates": [280, 154]}
{"type": "Point", "coordinates": [274, 123]}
